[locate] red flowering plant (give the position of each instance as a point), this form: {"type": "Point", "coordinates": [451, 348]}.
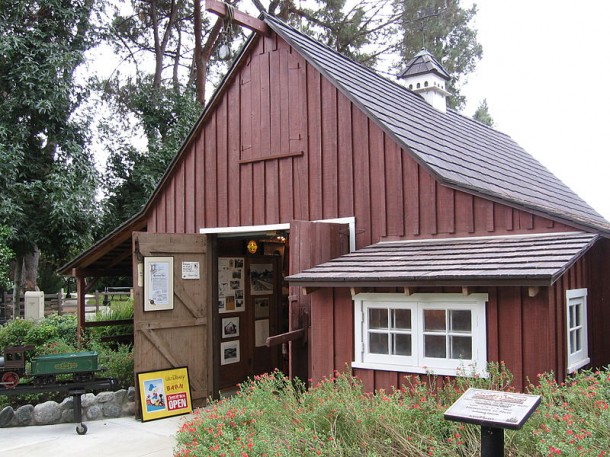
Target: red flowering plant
{"type": "Point", "coordinates": [273, 416]}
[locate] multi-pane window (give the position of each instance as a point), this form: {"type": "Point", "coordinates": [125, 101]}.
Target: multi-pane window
{"type": "Point", "coordinates": [390, 331]}
{"type": "Point", "coordinates": [576, 320]}
{"type": "Point", "coordinates": [448, 333]}
{"type": "Point", "coordinates": [440, 333]}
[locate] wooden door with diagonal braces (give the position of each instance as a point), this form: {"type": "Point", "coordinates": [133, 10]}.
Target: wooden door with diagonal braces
{"type": "Point", "coordinates": [180, 336]}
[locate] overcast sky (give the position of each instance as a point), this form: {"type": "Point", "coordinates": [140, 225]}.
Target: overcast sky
{"type": "Point", "coordinates": [544, 73]}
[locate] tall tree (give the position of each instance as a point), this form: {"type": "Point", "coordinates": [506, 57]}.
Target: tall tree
{"type": "Point", "coordinates": [355, 29]}
{"type": "Point", "coordinates": [6, 256]}
{"type": "Point", "coordinates": [482, 114]}
{"type": "Point", "coordinates": [181, 40]}
{"type": "Point", "coordinates": [444, 28]}
{"type": "Point", "coordinates": [48, 178]}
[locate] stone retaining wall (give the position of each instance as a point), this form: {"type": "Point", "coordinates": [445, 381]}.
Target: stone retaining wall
{"type": "Point", "coordinates": [94, 407]}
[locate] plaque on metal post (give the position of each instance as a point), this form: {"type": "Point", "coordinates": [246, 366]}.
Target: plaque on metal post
{"type": "Point", "coordinates": [493, 408]}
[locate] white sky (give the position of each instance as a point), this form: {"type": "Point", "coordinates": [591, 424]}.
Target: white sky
{"type": "Point", "coordinates": [544, 70]}
{"type": "Point", "coordinates": [544, 73]}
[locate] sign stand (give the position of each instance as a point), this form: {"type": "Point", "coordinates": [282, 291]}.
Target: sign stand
{"type": "Point", "coordinates": [494, 411]}
{"type": "Point", "coordinates": [492, 441]}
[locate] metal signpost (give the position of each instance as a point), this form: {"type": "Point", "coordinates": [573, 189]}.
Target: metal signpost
{"type": "Point", "coordinates": [494, 411]}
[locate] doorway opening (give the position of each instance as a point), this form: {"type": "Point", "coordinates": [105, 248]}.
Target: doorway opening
{"type": "Point", "coordinates": [251, 305]}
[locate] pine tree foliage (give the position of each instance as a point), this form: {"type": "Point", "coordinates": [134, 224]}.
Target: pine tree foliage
{"type": "Point", "coordinates": [482, 114]}
{"type": "Point", "coordinates": [444, 28]}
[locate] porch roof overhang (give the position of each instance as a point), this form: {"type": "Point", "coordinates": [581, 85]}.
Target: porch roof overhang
{"type": "Point", "coordinates": [523, 260]}
{"type": "Point", "coordinates": [110, 256]}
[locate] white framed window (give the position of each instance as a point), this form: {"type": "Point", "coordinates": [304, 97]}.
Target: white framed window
{"type": "Point", "coordinates": [443, 334]}
{"type": "Point", "coordinates": [576, 322]}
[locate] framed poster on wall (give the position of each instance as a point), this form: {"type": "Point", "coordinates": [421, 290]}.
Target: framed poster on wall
{"type": "Point", "coordinates": [230, 284]}
{"type": "Point", "coordinates": [158, 283]}
{"type": "Point", "coordinates": [164, 393]}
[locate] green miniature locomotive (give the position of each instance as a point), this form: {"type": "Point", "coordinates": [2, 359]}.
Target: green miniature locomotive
{"type": "Point", "coordinates": [77, 366]}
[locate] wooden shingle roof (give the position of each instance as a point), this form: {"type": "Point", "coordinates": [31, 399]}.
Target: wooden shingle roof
{"type": "Point", "coordinates": [526, 260]}
{"type": "Point", "coordinates": [459, 151]}
{"type": "Point", "coordinates": [424, 62]}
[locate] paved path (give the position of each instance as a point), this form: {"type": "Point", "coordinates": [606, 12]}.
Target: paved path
{"type": "Point", "coordinates": [122, 437]}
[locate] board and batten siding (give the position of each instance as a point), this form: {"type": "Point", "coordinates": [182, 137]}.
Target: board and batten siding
{"type": "Point", "coordinates": [282, 143]}
{"type": "Point", "coordinates": [526, 333]}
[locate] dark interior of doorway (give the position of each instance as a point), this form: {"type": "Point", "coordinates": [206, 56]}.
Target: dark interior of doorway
{"type": "Point", "coordinates": [252, 269]}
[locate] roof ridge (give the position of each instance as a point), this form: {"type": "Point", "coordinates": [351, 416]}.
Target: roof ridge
{"type": "Point", "coordinates": [448, 145]}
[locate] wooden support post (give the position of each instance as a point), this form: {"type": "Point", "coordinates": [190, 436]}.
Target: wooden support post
{"type": "Point", "coordinates": [239, 17]}
{"type": "Point", "coordinates": [309, 290]}
{"type": "Point", "coordinates": [81, 303]}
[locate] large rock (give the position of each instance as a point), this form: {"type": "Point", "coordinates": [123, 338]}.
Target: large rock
{"type": "Point", "coordinates": [119, 396]}
{"type": "Point", "coordinates": [128, 409]}
{"type": "Point", "coordinates": [94, 412]}
{"type": "Point", "coordinates": [24, 414]}
{"type": "Point", "coordinates": [131, 394]}
{"type": "Point", "coordinates": [88, 400]}
{"type": "Point", "coordinates": [6, 415]}
{"type": "Point", "coordinates": [104, 397]}
{"type": "Point", "coordinates": [111, 409]}
{"type": "Point", "coordinates": [47, 413]}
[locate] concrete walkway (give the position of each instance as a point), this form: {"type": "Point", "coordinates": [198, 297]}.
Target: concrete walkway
{"type": "Point", "coordinates": [122, 437]}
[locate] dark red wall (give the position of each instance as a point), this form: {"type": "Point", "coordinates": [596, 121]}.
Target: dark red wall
{"type": "Point", "coordinates": [282, 143]}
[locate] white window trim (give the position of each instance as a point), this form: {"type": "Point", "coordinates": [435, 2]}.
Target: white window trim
{"type": "Point", "coordinates": [581, 358]}
{"type": "Point", "coordinates": [416, 363]}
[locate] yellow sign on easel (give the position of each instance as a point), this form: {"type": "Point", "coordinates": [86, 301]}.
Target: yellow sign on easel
{"type": "Point", "coordinates": [164, 393]}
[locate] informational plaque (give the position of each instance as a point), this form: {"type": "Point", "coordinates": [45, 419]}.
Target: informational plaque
{"type": "Point", "coordinates": [190, 270]}
{"type": "Point", "coordinates": [493, 408]}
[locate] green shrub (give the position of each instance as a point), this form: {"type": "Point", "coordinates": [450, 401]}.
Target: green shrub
{"type": "Point", "coordinates": [52, 328]}
{"type": "Point", "coordinates": [118, 310]}
{"type": "Point", "coordinates": [14, 333]}
{"type": "Point", "coordinates": [117, 362]}
{"type": "Point", "coordinates": [270, 416]}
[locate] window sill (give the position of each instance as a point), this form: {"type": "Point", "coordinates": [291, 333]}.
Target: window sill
{"type": "Point", "coordinates": [578, 365]}
{"type": "Point", "coordinates": [464, 371]}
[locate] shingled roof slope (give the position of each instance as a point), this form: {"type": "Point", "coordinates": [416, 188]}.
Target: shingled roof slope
{"type": "Point", "coordinates": [459, 151]}
{"type": "Point", "coordinates": [531, 260]}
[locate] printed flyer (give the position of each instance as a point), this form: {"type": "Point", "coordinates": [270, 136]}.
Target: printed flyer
{"type": "Point", "coordinates": [164, 393]}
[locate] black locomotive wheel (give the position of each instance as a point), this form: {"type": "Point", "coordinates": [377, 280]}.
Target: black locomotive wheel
{"type": "Point", "coordinates": [10, 379]}
{"type": "Point", "coordinates": [81, 429]}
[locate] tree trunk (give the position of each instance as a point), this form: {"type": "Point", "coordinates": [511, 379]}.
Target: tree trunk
{"type": "Point", "coordinates": [30, 269]}
{"type": "Point", "coordinates": [17, 286]}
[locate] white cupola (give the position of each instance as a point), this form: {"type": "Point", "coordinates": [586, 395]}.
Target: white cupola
{"type": "Point", "coordinates": [426, 76]}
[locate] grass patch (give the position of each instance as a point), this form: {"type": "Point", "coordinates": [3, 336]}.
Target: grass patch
{"type": "Point", "coordinates": [272, 416]}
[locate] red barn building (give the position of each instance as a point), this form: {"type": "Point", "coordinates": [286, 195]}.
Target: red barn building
{"type": "Point", "coordinates": [320, 216]}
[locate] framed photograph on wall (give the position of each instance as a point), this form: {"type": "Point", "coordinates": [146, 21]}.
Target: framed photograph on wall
{"type": "Point", "coordinates": [230, 327]}
{"type": "Point", "coordinates": [229, 352]}
{"type": "Point", "coordinates": [158, 283]}
{"type": "Point", "coordinates": [261, 279]}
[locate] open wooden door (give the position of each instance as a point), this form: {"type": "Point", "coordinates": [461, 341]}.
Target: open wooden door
{"type": "Point", "coordinates": [311, 243]}
{"type": "Point", "coordinates": [179, 334]}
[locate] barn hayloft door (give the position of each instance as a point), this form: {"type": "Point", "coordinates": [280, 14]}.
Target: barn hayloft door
{"type": "Point", "coordinates": [171, 317]}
